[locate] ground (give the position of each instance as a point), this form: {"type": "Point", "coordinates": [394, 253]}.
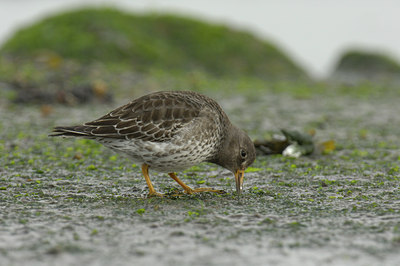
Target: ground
{"type": "Point", "coordinates": [69, 202]}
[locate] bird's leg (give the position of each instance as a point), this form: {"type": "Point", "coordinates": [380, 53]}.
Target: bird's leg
{"type": "Point", "coordinates": [189, 190]}
{"type": "Point", "coordinates": [145, 171]}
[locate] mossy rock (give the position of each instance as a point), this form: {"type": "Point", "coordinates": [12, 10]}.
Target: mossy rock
{"type": "Point", "coordinates": [152, 41]}
{"type": "Point", "coordinates": [360, 65]}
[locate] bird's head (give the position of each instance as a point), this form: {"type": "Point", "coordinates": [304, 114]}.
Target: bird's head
{"type": "Point", "coordinates": [236, 154]}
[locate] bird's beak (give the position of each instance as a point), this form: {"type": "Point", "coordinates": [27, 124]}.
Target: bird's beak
{"type": "Point", "coordinates": [239, 177]}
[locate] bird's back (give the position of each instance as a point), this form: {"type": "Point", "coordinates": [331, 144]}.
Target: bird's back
{"type": "Point", "coordinates": [181, 127]}
{"type": "Point", "coordinates": [153, 117]}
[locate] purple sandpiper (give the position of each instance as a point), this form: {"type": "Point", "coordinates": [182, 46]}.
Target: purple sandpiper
{"type": "Point", "coordinates": [170, 131]}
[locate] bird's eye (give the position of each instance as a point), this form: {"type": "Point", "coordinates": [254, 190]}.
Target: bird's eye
{"type": "Point", "coordinates": [243, 153]}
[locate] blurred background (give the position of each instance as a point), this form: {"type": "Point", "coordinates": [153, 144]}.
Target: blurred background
{"type": "Point", "coordinates": [312, 32]}
{"type": "Point", "coordinates": [74, 51]}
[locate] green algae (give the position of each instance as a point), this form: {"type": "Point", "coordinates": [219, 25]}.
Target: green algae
{"type": "Point", "coordinates": [341, 207]}
{"type": "Point", "coordinates": [146, 41]}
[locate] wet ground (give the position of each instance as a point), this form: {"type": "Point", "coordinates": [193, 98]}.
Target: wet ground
{"type": "Point", "coordinates": [73, 202]}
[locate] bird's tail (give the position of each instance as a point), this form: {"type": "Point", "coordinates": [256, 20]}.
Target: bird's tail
{"type": "Point", "coordinates": [71, 131]}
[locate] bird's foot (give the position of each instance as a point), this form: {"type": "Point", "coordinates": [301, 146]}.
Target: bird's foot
{"type": "Point", "coordinates": [155, 194]}
{"type": "Point", "coordinates": [189, 190]}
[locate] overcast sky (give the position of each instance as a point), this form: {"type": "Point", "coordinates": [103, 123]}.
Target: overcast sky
{"type": "Point", "coordinates": [313, 32]}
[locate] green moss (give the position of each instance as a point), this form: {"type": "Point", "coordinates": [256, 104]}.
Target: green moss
{"type": "Point", "coordinates": [253, 169]}
{"type": "Point", "coordinates": [151, 41]}
{"type": "Point", "coordinates": [140, 211]}
{"type": "Point", "coordinates": [306, 204]}
{"type": "Point", "coordinates": [367, 62]}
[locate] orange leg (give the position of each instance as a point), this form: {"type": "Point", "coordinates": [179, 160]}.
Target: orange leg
{"type": "Point", "coordinates": [189, 190]}
{"type": "Point", "coordinates": [145, 171]}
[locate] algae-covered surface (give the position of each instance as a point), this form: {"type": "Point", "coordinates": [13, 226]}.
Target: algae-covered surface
{"type": "Point", "coordinates": [73, 202]}
{"type": "Point", "coordinates": [149, 41]}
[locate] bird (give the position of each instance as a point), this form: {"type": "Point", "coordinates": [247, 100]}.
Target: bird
{"type": "Point", "coordinates": [169, 131]}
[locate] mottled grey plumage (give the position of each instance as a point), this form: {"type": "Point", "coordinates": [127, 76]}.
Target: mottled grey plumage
{"type": "Point", "coordinates": [170, 131]}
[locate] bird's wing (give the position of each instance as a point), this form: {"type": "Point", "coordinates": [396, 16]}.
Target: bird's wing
{"type": "Point", "coordinates": [154, 117]}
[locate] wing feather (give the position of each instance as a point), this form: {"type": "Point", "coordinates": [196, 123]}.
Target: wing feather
{"type": "Point", "coordinates": [154, 117]}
